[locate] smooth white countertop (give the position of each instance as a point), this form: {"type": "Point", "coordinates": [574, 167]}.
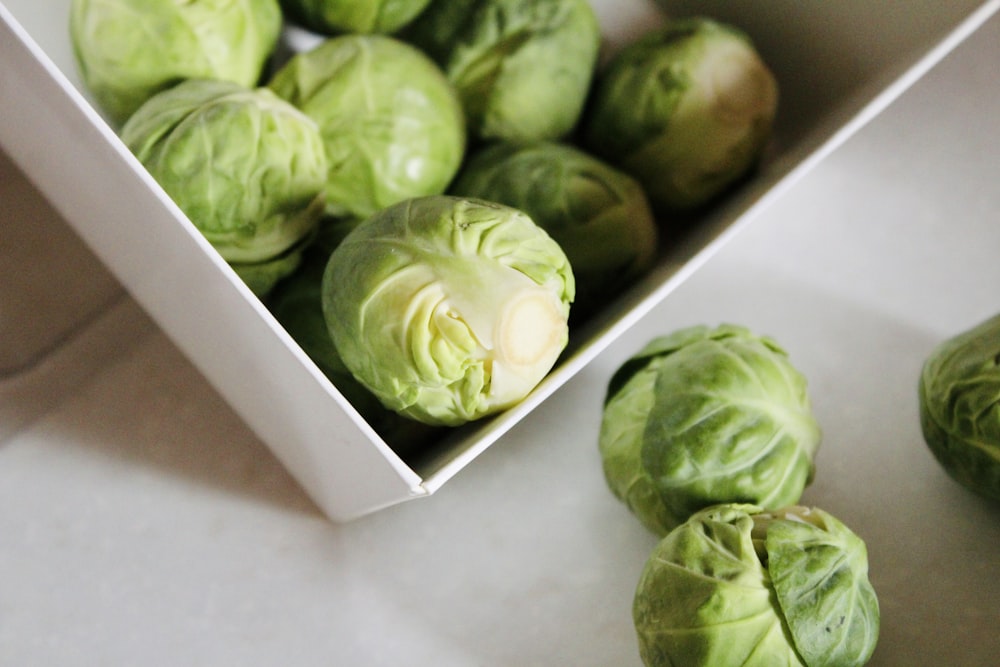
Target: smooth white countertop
{"type": "Point", "coordinates": [143, 523]}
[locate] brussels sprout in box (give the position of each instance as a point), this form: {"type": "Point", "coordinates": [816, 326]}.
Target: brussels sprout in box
{"type": "Point", "coordinates": [358, 16]}
{"type": "Point", "coordinates": [705, 416]}
{"type": "Point", "coordinates": [687, 109]}
{"type": "Point", "coordinates": [959, 396]}
{"type": "Point", "coordinates": [740, 585]}
{"type": "Point", "coordinates": [246, 167]}
{"type": "Point", "coordinates": [598, 214]}
{"type": "Point", "coordinates": [448, 309]}
{"type": "Point", "coordinates": [128, 50]}
{"type": "Point", "coordinates": [522, 67]}
{"type": "Point", "coordinates": [391, 123]}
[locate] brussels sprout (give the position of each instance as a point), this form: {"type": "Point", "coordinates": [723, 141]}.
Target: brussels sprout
{"type": "Point", "coordinates": [738, 585]}
{"type": "Point", "coordinates": [339, 16]}
{"type": "Point", "coordinates": [446, 308]}
{"type": "Point", "coordinates": [687, 109]}
{"type": "Point", "coordinates": [597, 214]}
{"type": "Point", "coordinates": [128, 50]}
{"type": "Point", "coordinates": [392, 124]}
{"type": "Point", "coordinates": [246, 167]}
{"type": "Point", "coordinates": [959, 396]}
{"type": "Point", "coordinates": [705, 416]}
{"type": "Point", "coordinates": [522, 67]}
{"type": "Point", "coordinates": [296, 302]}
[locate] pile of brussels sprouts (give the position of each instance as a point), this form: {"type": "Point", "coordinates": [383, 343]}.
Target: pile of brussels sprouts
{"type": "Point", "coordinates": [425, 193]}
{"type": "Point", "coordinates": [708, 437]}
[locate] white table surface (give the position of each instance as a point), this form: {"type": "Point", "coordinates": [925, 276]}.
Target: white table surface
{"type": "Point", "coordinates": [141, 523]}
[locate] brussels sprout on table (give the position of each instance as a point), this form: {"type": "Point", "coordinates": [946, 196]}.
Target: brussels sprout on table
{"type": "Point", "coordinates": [128, 50]}
{"type": "Point", "coordinates": [448, 309]}
{"type": "Point", "coordinates": [959, 396]}
{"type": "Point", "coordinates": [598, 214]}
{"type": "Point", "coordinates": [705, 416]}
{"type": "Point", "coordinates": [740, 585]}
{"type": "Point", "coordinates": [522, 67]}
{"type": "Point", "coordinates": [246, 167]}
{"type": "Point", "coordinates": [391, 123]}
{"type": "Point", "coordinates": [353, 16]}
{"type": "Point", "coordinates": [687, 109]}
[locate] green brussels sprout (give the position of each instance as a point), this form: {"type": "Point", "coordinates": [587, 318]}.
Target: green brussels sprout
{"type": "Point", "coordinates": [391, 123]}
{"type": "Point", "coordinates": [297, 303]}
{"type": "Point", "coordinates": [596, 213]}
{"type": "Point", "coordinates": [959, 397]}
{"type": "Point", "coordinates": [340, 16]}
{"type": "Point", "coordinates": [129, 50]}
{"type": "Point", "coordinates": [705, 416]}
{"type": "Point", "coordinates": [739, 585]}
{"type": "Point", "coordinates": [523, 68]}
{"type": "Point", "coordinates": [246, 167]}
{"type": "Point", "coordinates": [448, 309]}
{"type": "Point", "coordinates": [687, 109]}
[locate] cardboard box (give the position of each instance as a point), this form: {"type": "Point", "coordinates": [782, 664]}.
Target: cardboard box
{"type": "Point", "coordinates": [838, 65]}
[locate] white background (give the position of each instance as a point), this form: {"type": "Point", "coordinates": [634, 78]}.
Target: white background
{"type": "Point", "coordinates": [142, 523]}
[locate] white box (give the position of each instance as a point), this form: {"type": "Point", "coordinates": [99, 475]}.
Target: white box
{"type": "Point", "coordinates": [838, 64]}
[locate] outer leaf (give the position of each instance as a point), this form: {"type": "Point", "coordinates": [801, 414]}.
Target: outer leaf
{"type": "Point", "coordinates": [661, 346]}
{"type": "Point", "coordinates": [704, 598]}
{"type": "Point", "coordinates": [819, 570]}
{"type": "Point", "coordinates": [731, 422]}
{"type": "Point", "coordinates": [620, 443]}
